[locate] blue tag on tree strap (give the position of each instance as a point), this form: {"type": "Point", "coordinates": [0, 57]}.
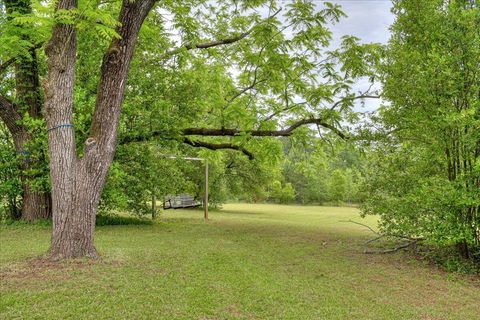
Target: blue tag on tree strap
{"type": "Point", "coordinates": [66, 125]}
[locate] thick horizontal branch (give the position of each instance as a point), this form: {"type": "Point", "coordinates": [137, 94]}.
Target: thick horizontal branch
{"type": "Point", "coordinates": [263, 133]}
{"type": "Point", "coordinates": [218, 146]}
{"type": "Point", "coordinates": [225, 132]}
{"type": "Point", "coordinates": [218, 42]}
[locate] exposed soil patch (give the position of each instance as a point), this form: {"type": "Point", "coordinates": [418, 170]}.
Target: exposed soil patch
{"type": "Point", "coordinates": [33, 271]}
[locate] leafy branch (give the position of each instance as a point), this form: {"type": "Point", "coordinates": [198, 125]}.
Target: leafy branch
{"type": "Point", "coordinates": [215, 43]}
{"type": "Point", "coordinates": [4, 66]}
{"type": "Point", "coordinates": [218, 146]}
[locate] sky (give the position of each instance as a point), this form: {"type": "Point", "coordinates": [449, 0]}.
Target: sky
{"type": "Point", "coordinates": [368, 20]}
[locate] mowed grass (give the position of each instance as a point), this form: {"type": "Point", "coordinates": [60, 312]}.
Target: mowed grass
{"type": "Point", "coordinates": [247, 262]}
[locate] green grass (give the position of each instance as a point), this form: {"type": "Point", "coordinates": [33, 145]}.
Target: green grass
{"type": "Point", "coordinates": [247, 262]}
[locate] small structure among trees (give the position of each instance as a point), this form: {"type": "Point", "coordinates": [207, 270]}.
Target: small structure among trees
{"type": "Point", "coordinates": [181, 201]}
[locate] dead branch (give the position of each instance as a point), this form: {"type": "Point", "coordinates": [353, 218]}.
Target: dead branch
{"type": "Point", "coordinates": [392, 250]}
{"type": "Point", "coordinates": [411, 241]}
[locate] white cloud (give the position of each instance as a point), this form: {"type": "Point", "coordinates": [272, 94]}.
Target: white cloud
{"type": "Point", "coordinates": [368, 20]}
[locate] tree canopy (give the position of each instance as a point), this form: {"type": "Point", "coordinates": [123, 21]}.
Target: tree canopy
{"type": "Point", "coordinates": [424, 177]}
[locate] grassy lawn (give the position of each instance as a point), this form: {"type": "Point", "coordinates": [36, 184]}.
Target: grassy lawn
{"type": "Point", "coordinates": [248, 262]}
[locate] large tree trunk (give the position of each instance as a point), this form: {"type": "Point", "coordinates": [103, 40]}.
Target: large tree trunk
{"type": "Point", "coordinates": [78, 183]}
{"type": "Point", "coordinates": [35, 204]}
{"type": "Point", "coordinates": [72, 223]}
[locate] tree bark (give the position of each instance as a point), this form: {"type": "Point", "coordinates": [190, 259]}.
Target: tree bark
{"type": "Point", "coordinates": [71, 235]}
{"type": "Point", "coordinates": [35, 204]}
{"type": "Point", "coordinates": [78, 183]}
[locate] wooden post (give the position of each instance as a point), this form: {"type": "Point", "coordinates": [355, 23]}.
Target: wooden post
{"type": "Point", "coordinates": [205, 201]}
{"type": "Point", "coordinates": [154, 206]}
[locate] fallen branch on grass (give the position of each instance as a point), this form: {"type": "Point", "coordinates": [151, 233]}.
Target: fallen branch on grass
{"type": "Point", "coordinates": [392, 250]}
{"type": "Point", "coordinates": [411, 241]}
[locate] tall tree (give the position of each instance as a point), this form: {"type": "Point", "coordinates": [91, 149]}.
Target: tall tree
{"type": "Point", "coordinates": [26, 103]}
{"type": "Point", "coordinates": [425, 181]}
{"type": "Point", "coordinates": [77, 183]}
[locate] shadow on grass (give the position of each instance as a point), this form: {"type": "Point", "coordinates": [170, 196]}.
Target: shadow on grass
{"type": "Point", "coordinates": [107, 220]}
{"type": "Point", "coordinates": [102, 220]}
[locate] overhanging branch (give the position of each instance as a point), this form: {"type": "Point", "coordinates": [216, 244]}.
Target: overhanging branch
{"type": "Point", "coordinates": [218, 146]}
{"type": "Point", "coordinates": [215, 43]}
{"type": "Point", "coordinates": [211, 44]}
{"type": "Point", "coordinates": [225, 132]}
{"type": "Point", "coordinates": [263, 133]}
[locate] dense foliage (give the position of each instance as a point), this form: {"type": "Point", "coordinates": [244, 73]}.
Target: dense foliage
{"type": "Point", "coordinates": [322, 173]}
{"type": "Point", "coordinates": [424, 175]}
